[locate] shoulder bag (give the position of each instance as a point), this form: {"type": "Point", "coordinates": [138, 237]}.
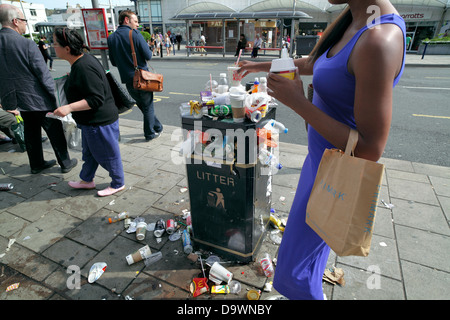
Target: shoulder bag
{"type": "Point", "coordinates": [145, 80]}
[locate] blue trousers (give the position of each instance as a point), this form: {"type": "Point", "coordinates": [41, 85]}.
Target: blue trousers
{"type": "Point", "coordinates": [100, 146]}
{"type": "Point", "coordinates": [144, 101]}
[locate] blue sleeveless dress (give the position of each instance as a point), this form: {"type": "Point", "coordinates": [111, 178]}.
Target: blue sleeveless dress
{"type": "Point", "coordinates": [303, 255]}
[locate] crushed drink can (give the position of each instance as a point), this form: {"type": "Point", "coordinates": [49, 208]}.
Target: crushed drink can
{"type": "Point", "coordinates": [159, 228]}
{"type": "Point", "coordinates": [220, 110]}
{"type": "Point", "coordinates": [170, 226]}
{"type": "Point", "coordinates": [6, 186]}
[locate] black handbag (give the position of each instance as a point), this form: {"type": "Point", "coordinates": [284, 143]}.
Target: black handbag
{"type": "Point", "coordinates": [122, 98]}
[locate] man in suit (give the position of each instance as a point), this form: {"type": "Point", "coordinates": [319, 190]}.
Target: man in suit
{"type": "Point", "coordinates": [26, 85]}
{"type": "Point", "coordinates": [120, 57]}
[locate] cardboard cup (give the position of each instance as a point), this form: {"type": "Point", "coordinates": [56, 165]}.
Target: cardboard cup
{"type": "Point", "coordinates": [139, 255]}
{"type": "Point", "coordinates": [218, 274]}
{"type": "Point", "coordinates": [141, 228]}
{"type": "Point", "coordinates": [237, 106]}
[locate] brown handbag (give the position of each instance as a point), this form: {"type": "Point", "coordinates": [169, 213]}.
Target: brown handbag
{"type": "Point", "coordinates": [145, 80]}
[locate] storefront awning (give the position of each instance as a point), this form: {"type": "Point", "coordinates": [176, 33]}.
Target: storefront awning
{"type": "Point", "coordinates": [243, 15]}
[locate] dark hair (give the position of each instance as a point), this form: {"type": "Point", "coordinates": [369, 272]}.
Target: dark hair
{"type": "Point", "coordinates": [123, 14]}
{"type": "Point", "coordinates": [333, 33]}
{"type": "Point", "coordinates": [72, 39]}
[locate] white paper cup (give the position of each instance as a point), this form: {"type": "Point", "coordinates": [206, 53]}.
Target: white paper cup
{"type": "Point", "coordinates": [217, 274]}
{"type": "Point", "coordinates": [235, 78]}
{"type": "Point", "coordinates": [237, 106]}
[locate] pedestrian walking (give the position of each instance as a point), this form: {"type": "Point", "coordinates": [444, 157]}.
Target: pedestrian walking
{"type": "Point", "coordinates": [43, 47]}
{"type": "Point", "coordinates": [120, 56]}
{"type": "Point", "coordinates": [26, 85]}
{"type": "Point", "coordinates": [93, 108]}
{"type": "Point", "coordinates": [354, 68]}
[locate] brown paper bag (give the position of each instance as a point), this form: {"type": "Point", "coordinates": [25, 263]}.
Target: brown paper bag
{"type": "Point", "coordinates": [343, 201]}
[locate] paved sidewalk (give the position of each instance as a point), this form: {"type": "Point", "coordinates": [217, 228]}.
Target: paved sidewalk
{"type": "Point", "coordinates": [56, 228]}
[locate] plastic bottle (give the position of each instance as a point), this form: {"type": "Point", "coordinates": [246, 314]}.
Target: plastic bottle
{"type": "Point", "coordinates": [262, 85]}
{"type": "Point", "coordinates": [267, 266]}
{"type": "Point", "coordinates": [223, 84]}
{"type": "Point", "coordinates": [279, 126]}
{"type": "Point", "coordinates": [268, 159]}
{"type": "Point", "coordinates": [255, 85]}
{"type": "Point", "coordinates": [187, 244]}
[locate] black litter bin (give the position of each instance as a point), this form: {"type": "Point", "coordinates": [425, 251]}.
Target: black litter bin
{"type": "Point", "coordinates": [230, 205]}
{"type": "Point", "coordinates": [305, 44]}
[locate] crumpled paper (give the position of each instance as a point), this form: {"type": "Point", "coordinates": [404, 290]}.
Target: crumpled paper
{"type": "Point", "coordinates": [334, 276]}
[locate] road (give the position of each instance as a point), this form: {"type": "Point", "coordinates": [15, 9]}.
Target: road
{"type": "Point", "coordinates": [420, 130]}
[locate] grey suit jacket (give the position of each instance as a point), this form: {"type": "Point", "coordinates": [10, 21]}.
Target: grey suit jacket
{"type": "Point", "coordinates": [25, 81]}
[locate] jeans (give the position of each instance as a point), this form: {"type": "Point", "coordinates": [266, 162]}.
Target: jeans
{"type": "Point", "coordinates": [144, 101]}
{"type": "Point", "coordinates": [100, 146]}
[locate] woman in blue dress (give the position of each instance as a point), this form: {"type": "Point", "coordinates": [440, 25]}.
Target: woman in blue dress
{"type": "Point", "coordinates": [355, 65]}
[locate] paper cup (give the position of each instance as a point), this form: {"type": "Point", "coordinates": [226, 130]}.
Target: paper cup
{"type": "Point", "coordinates": [141, 228]}
{"type": "Point", "coordinates": [139, 255]}
{"type": "Point", "coordinates": [237, 106]}
{"type": "Point", "coordinates": [290, 74]}
{"type": "Point", "coordinates": [217, 274]}
{"type": "Point", "coordinates": [284, 67]}
{"type": "Point", "coordinates": [235, 78]}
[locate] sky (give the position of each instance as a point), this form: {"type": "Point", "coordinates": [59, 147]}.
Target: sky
{"type": "Point", "coordinates": [61, 4]}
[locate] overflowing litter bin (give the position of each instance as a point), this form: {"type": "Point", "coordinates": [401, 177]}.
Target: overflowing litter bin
{"type": "Point", "coordinates": [305, 44]}
{"type": "Point", "coordinates": [230, 196]}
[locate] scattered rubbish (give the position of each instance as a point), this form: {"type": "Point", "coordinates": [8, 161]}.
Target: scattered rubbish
{"type": "Point", "coordinates": [153, 258]}
{"type": "Point", "coordinates": [183, 190]}
{"type": "Point", "coordinates": [113, 202]}
{"type": "Point", "coordinates": [219, 274]}
{"type": "Point", "coordinates": [6, 186]}
{"type": "Point", "coordinates": [96, 271]}
{"type": "Point", "coordinates": [212, 259]}
{"type": "Point", "coordinates": [253, 294]}
{"type": "Point", "coordinates": [119, 217]}
{"type": "Point", "coordinates": [224, 289]}
{"type": "Point", "coordinates": [170, 226]}
{"type": "Point", "coordinates": [235, 287]}
{"type": "Point", "coordinates": [13, 287]}
{"type": "Point", "coordinates": [141, 228]}
{"type": "Point", "coordinates": [141, 254]}
{"type": "Point", "coordinates": [274, 236]}
{"type": "Point", "coordinates": [199, 286]}
{"type": "Point", "coordinates": [268, 286]}
{"type": "Point", "coordinates": [175, 236]}
{"type": "Point", "coordinates": [193, 257]}
{"type": "Point", "coordinates": [276, 222]}
{"type": "Point", "coordinates": [334, 276]}
{"type": "Point", "coordinates": [187, 243]}
{"type": "Point", "coordinates": [127, 223]}
{"type": "Point", "coordinates": [282, 198]}
{"type": "Point", "coordinates": [128, 298]}
{"type": "Point", "coordinates": [27, 238]}
{"type": "Point", "coordinates": [133, 224]}
{"type": "Point", "coordinates": [267, 266]}
{"type": "Point", "coordinates": [387, 205]}
{"type": "Point", "coordinates": [159, 228]}
{"type": "Point", "coordinates": [383, 244]}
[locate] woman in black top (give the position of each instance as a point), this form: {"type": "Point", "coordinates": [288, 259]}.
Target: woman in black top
{"type": "Point", "coordinates": [92, 106]}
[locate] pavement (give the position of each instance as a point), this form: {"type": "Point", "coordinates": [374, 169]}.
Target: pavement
{"type": "Point", "coordinates": [51, 235]}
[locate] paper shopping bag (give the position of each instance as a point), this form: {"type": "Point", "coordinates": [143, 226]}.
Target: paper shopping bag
{"type": "Point", "coordinates": [343, 201]}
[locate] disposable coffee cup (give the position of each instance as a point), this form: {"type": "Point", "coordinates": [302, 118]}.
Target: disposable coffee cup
{"type": "Point", "coordinates": [237, 106]}
{"type": "Point", "coordinates": [141, 254]}
{"type": "Point", "coordinates": [217, 274]}
{"type": "Point", "coordinates": [141, 228]}
{"type": "Point", "coordinates": [284, 66]}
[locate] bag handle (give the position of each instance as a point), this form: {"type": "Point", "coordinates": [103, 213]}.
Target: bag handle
{"type": "Point", "coordinates": [351, 143]}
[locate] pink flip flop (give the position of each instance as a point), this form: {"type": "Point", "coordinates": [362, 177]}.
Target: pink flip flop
{"type": "Point", "coordinates": [109, 191]}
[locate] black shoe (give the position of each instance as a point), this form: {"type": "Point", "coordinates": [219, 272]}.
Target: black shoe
{"type": "Point", "coordinates": [43, 139]}
{"type": "Point", "coordinates": [156, 136]}
{"type": "Point", "coordinates": [73, 164]}
{"type": "Point", "coordinates": [47, 164]}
